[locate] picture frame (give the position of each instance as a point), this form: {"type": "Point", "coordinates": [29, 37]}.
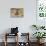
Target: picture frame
{"type": "Point", "coordinates": [41, 12]}
{"type": "Point", "coordinates": [17, 12]}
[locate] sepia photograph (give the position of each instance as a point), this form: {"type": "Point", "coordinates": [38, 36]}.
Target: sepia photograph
{"type": "Point", "coordinates": [18, 12]}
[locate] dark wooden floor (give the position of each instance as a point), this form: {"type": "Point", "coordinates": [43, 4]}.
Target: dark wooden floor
{"type": "Point", "coordinates": [13, 44]}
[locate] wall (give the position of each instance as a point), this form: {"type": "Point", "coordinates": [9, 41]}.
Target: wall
{"type": "Point", "coordinates": [23, 23]}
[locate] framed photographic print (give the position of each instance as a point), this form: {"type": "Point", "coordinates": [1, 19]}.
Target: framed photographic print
{"type": "Point", "coordinates": [17, 12]}
{"type": "Point", "coordinates": [41, 12]}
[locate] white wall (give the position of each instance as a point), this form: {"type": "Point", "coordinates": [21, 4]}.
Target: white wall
{"type": "Point", "coordinates": [23, 23]}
